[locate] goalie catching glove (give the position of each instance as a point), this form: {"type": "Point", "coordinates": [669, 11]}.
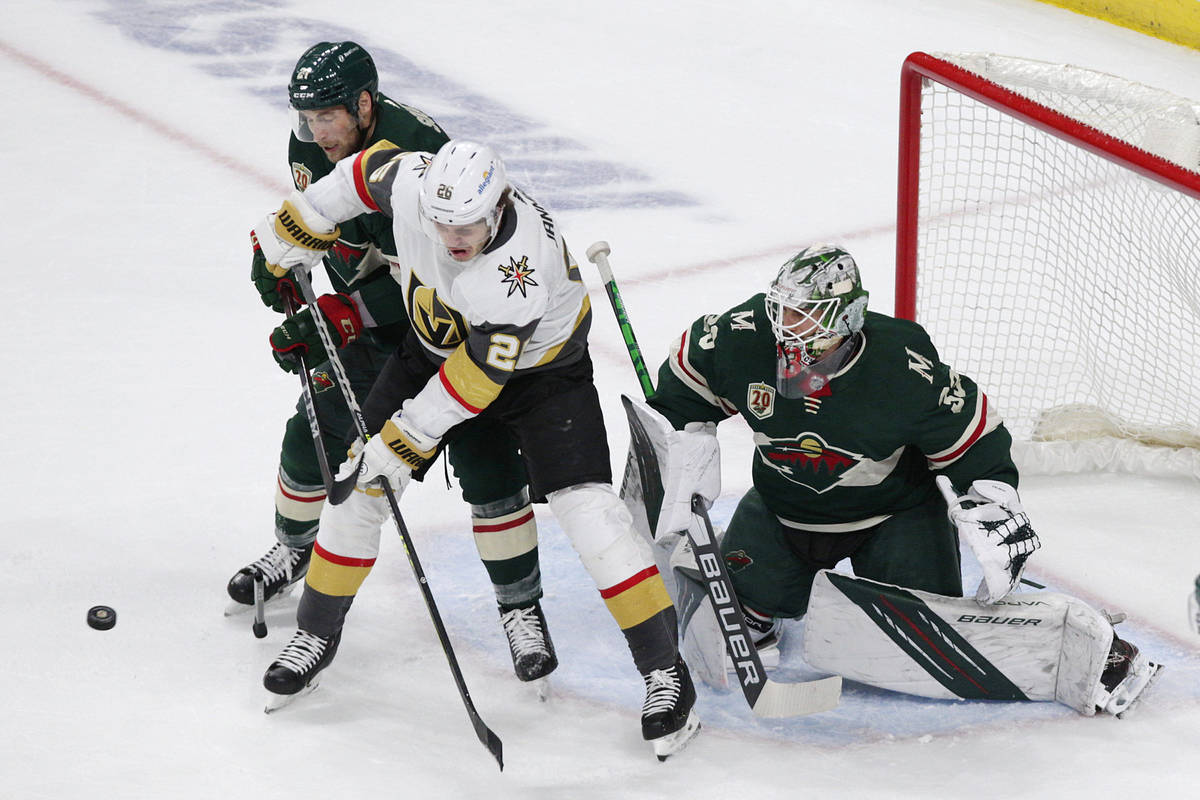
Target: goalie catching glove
{"type": "Point", "coordinates": [995, 526]}
{"type": "Point", "coordinates": [298, 336]}
{"type": "Point", "coordinates": [294, 236]}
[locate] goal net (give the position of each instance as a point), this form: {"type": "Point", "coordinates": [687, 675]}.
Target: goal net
{"type": "Point", "coordinates": [1049, 241]}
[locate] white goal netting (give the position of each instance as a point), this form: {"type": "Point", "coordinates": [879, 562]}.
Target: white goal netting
{"type": "Point", "coordinates": [1065, 284]}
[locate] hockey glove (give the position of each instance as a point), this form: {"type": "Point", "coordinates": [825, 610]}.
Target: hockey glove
{"type": "Point", "coordinates": [270, 289]}
{"type": "Point", "coordinates": [394, 454]}
{"type": "Point", "coordinates": [298, 336]}
{"type": "Point", "coordinates": [294, 236]}
{"type": "Point", "coordinates": [995, 526]}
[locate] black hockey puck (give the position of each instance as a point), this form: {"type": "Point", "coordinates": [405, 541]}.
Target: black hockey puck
{"type": "Point", "coordinates": [101, 617]}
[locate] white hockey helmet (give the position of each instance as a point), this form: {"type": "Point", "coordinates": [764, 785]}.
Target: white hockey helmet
{"type": "Point", "coordinates": [463, 184]}
{"type": "Point", "coordinates": [822, 286]}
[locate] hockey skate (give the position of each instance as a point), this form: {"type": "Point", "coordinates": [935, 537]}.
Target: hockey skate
{"type": "Point", "coordinates": [529, 642]}
{"type": "Point", "coordinates": [297, 670]}
{"type": "Point", "coordinates": [282, 567]}
{"type": "Point", "coordinates": [668, 721]}
{"type": "Point", "coordinates": [1127, 674]}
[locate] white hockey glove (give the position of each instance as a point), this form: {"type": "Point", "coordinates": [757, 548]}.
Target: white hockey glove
{"type": "Point", "coordinates": [294, 236]}
{"type": "Point", "coordinates": [394, 453]}
{"type": "Point", "coordinates": [995, 526]}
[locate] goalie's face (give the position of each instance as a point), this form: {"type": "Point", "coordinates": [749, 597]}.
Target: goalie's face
{"type": "Point", "coordinates": [805, 330]}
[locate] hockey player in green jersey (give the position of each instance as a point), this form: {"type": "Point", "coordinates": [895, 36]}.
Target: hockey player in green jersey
{"type": "Point", "coordinates": [337, 112]}
{"type": "Point", "coordinates": [869, 448]}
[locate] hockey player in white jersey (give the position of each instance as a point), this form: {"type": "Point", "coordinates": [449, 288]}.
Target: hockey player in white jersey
{"type": "Point", "coordinates": [500, 319]}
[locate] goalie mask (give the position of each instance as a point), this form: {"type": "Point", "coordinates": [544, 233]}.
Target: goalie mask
{"type": "Point", "coordinates": [461, 195]}
{"type": "Point", "coordinates": [816, 306]}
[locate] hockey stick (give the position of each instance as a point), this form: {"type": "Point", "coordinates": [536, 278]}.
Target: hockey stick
{"type": "Point", "coordinates": [486, 736]}
{"type": "Point", "coordinates": [308, 394]}
{"type": "Point", "coordinates": [767, 698]}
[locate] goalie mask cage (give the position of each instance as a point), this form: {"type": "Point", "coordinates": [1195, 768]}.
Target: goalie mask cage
{"type": "Point", "coordinates": [1048, 238]}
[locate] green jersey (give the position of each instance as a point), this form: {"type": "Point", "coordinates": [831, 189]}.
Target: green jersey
{"type": "Point", "coordinates": [351, 265]}
{"type": "Point", "coordinates": [854, 452]}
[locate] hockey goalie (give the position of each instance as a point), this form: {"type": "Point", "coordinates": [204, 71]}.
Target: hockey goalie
{"type": "Point", "coordinates": [868, 449]}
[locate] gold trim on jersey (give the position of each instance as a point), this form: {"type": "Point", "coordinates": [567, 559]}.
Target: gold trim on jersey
{"type": "Point", "coordinates": [468, 382]}
{"type": "Point", "coordinates": [585, 308]}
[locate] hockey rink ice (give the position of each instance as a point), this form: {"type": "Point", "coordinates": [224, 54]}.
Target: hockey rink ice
{"type": "Point", "coordinates": [706, 142]}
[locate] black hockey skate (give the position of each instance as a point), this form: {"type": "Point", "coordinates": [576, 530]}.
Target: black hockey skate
{"type": "Point", "coordinates": [281, 568]}
{"type": "Point", "coordinates": [668, 721]}
{"type": "Point", "coordinates": [529, 641]}
{"type": "Point", "coordinates": [1127, 673]}
{"type": "Point", "coordinates": [297, 669]}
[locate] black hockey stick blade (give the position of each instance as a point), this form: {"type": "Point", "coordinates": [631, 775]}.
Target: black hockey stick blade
{"type": "Point", "coordinates": [488, 737]}
{"type": "Point", "coordinates": [343, 488]}
{"type": "Point", "coordinates": [767, 698]}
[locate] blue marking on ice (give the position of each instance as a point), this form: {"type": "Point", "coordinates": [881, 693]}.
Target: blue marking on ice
{"type": "Point", "coordinates": [254, 46]}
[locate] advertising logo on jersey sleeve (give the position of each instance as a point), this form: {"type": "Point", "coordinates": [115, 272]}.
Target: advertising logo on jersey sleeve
{"type": "Point", "coordinates": [434, 321]}
{"type": "Point", "coordinates": [806, 459]}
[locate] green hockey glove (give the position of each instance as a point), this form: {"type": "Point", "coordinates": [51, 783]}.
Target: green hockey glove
{"type": "Point", "coordinates": [269, 287]}
{"type": "Point", "coordinates": [298, 335]}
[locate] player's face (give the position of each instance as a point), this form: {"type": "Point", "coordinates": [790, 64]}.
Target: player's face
{"type": "Point", "coordinates": [334, 130]}
{"type": "Point", "coordinates": [464, 242]}
{"type": "Point", "coordinates": [802, 322]}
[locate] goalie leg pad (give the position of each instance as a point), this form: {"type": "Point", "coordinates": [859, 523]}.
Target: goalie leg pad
{"type": "Point", "coordinates": [1036, 646]}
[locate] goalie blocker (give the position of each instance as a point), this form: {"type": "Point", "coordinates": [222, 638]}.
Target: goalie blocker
{"type": "Point", "coordinates": [1038, 646]}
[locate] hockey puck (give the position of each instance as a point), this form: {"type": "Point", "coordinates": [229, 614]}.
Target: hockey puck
{"type": "Point", "coordinates": [101, 617]}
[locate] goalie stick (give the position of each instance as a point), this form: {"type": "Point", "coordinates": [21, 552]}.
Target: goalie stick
{"type": "Point", "coordinates": [486, 736]}
{"type": "Point", "coordinates": [766, 697]}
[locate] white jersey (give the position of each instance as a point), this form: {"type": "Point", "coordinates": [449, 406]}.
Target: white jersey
{"type": "Point", "coordinates": [518, 306]}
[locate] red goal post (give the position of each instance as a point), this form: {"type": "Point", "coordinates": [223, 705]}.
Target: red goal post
{"type": "Point", "coordinates": [1048, 237]}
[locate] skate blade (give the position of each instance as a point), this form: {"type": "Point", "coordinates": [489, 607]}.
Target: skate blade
{"type": "Point", "coordinates": [542, 689]}
{"type": "Point", "coordinates": [1128, 699]}
{"type": "Point", "coordinates": [278, 701]}
{"type": "Point", "coordinates": [672, 743]}
{"type": "Point", "coordinates": [236, 609]}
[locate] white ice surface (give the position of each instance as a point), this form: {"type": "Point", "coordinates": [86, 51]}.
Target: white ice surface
{"type": "Point", "coordinates": [143, 412]}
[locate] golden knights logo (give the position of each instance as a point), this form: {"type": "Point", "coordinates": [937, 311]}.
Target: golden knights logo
{"type": "Point", "coordinates": [516, 275]}
{"type": "Point", "coordinates": [806, 459]}
{"type": "Point", "coordinates": [760, 400]}
{"type": "Point", "coordinates": [434, 321]}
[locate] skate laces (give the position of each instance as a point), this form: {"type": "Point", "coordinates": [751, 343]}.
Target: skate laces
{"type": "Point", "coordinates": [524, 631]}
{"type": "Point", "coordinates": [302, 652]}
{"type": "Point", "coordinates": [662, 690]}
{"type": "Point", "coordinates": [277, 564]}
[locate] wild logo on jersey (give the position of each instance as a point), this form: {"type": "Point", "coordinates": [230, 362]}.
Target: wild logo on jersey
{"type": "Point", "coordinates": [517, 275]}
{"type": "Point", "coordinates": [806, 459]}
{"type": "Point", "coordinates": [433, 320]}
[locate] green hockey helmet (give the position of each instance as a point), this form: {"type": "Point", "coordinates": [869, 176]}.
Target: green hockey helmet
{"type": "Point", "coordinates": [821, 286]}
{"type": "Point", "coordinates": [331, 74]}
